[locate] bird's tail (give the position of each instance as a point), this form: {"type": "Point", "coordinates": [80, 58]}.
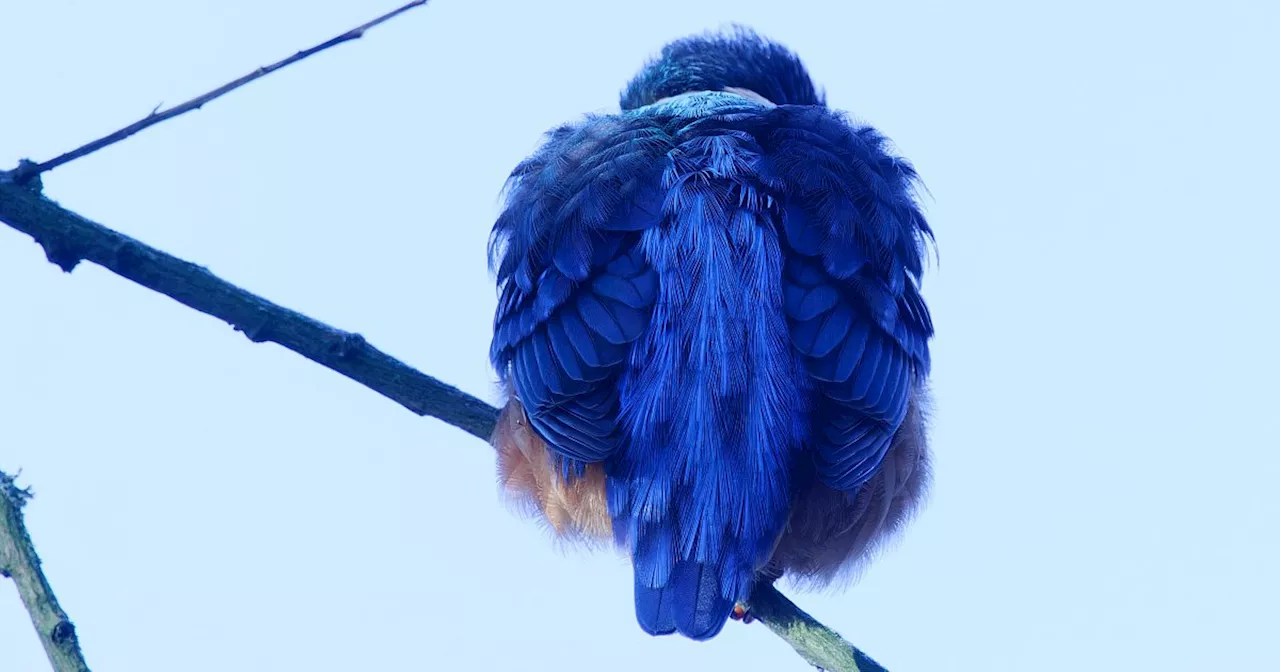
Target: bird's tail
{"type": "Point", "coordinates": [691, 602]}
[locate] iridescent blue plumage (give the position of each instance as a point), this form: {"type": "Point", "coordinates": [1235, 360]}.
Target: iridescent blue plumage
{"type": "Point", "coordinates": [713, 295]}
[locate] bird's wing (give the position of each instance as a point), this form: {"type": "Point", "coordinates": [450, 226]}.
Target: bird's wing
{"type": "Point", "coordinates": [575, 289]}
{"type": "Point", "coordinates": [856, 239]}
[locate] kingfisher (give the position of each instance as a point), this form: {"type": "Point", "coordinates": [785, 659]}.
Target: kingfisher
{"type": "Point", "coordinates": [710, 332]}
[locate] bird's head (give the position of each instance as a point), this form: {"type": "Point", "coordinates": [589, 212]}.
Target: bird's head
{"type": "Point", "coordinates": [738, 60]}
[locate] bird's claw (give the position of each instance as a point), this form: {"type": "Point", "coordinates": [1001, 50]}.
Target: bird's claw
{"type": "Point", "coordinates": [741, 613]}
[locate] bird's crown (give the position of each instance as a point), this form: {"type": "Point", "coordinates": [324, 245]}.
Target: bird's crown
{"type": "Point", "coordinates": [736, 58]}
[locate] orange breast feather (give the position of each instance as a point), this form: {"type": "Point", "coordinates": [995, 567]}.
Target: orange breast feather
{"type": "Point", "coordinates": [531, 481]}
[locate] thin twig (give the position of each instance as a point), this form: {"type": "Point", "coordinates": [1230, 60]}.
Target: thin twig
{"type": "Point", "coordinates": [18, 560]}
{"type": "Point", "coordinates": [29, 170]}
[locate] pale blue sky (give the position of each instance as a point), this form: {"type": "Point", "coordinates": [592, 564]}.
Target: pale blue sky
{"type": "Point", "coordinates": [1102, 179]}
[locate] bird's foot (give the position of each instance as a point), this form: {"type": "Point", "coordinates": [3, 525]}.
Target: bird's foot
{"type": "Point", "coordinates": [741, 613]}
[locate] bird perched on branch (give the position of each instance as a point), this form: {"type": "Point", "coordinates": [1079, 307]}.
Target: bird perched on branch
{"type": "Point", "coordinates": [711, 331]}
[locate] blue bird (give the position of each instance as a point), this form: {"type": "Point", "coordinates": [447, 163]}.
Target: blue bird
{"type": "Point", "coordinates": [711, 332]}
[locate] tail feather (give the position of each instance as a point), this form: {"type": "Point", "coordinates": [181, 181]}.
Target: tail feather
{"type": "Point", "coordinates": [692, 603]}
{"type": "Point", "coordinates": [653, 609]}
{"type": "Point", "coordinates": [700, 606]}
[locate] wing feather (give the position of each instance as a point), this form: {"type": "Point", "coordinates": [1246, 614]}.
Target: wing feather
{"type": "Point", "coordinates": [850, 286]}
{"type": "Point", "coordinates": [575, 290]}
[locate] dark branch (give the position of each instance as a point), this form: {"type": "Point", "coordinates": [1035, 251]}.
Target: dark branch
{"type": "Point", "coordinates": [18, 560]}
{"type": "Point", "coordinates": [68, 239]}
{"type": "Point", "coordinates": [27, 171]}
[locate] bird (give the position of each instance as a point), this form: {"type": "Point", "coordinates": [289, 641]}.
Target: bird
{"type": "Point", "coordinates": [710, 332]}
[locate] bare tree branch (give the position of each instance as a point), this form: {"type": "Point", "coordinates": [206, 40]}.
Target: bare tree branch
{"type": "Point", "coordinates": [18, 560]}
{"type": "Point", "coordinates": [68, 238]}
{"type": "Point", "coordinates": [819, 645]}
{"type": "Point", "coordinates": [29, 170]}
